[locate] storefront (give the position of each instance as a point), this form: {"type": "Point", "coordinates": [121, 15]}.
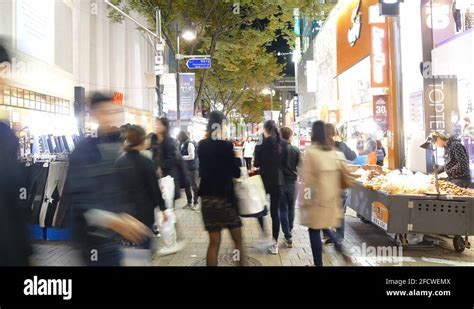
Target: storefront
{"type": "Point", "coordinates": [365, 106]}
{"type": "Point", "coordinates": [436, 61]}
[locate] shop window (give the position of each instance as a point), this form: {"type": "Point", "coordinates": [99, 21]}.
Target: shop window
{"type": "Point", "coordinates": [13, 96]}
{"type": "Point", "coordinates": [6, 95]}
{"type": "Point", "coordinates": [20, 94]}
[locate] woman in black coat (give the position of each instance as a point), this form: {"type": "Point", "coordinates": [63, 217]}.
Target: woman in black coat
{"type": "Point", "coordinates": [270, 158]}
{"type": "Point", "coordinates": [167, 159]}
{"type": "Point", "coordinates": [217, 168]}
{"type": "Point", "coordinates": [140, 183]}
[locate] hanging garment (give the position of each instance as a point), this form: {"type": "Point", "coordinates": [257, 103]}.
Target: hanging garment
{"type": "Point", "coordinates": [26, 182]}
{"type": "Point", "coordinates": [51, 146]}
{"type": "Point", "coordinates": [61, 216]}
{"type": "Point", "coordinates": [40, 175]}
{"type": "Point", "coordinates": [53, 189]}
{"type": "Point", "coordinates": [66, 146]}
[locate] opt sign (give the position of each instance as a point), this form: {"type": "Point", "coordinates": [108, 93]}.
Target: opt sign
{"type": "Point", "coordinates": [199, 63]}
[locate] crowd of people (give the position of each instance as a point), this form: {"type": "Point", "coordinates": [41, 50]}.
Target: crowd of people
{"type": "Point", "coordinates": [113, 183]}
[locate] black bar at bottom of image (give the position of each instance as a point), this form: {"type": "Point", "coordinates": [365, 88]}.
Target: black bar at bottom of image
{"type": "Point", "coordinates": [284, 285]}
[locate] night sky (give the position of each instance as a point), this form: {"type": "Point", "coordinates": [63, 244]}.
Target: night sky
{"type": "Point", "coordinates": [281, 45]}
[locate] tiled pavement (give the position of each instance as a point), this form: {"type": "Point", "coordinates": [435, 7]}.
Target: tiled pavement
{"type": "Point", "coordinates": [358, 235]}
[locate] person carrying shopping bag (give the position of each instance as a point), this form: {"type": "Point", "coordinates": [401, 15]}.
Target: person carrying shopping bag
{"type": "Point", "coordinates": [270, 158]}
{"type": "Point", "coordinates": [142, 193]}
{"type": "Point", "coordinates": [322, 175]}
{"type": "Point", "coordinates": [217, 170]}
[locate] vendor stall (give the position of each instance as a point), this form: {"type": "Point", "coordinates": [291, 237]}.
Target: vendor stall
{"type": "Point", "coordinates": [406, 203]}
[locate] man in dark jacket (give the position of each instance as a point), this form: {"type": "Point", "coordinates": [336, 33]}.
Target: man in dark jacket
{"type": "Point", "coordinates": [95, 187]}
{"type": "Point", "coordinates": [189, 154]}
{"type": "Point", "coordinates": [15, 247]}
{"type": "Point", "coordinates": [290, 173]}
{"type": "Point", "coordinates": [349, 155]}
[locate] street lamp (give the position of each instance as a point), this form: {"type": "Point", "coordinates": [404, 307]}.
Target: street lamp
{"type": "Point", "coordinates": [188, 35]}
{"type": "Point", "coordinates": [269, 91]}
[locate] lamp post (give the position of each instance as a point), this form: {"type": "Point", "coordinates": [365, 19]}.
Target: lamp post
{"type": "Point", "coordinates": [188, 35]}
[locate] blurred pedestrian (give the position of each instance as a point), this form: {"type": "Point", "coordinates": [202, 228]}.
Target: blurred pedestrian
{"type": "Point", "coordinates": [290, 174]}
{"type": "Point", "coordinates": [349, 155]}
{"type": "Point", "coordinates": [189, 154]}
{"type": "Point", "coordinates": [95, 187]}
{"type": "Point", "coordinates": [167, 156]}
{"type": "Point", "coordinates": [321, 207]}
{"type": "Point", "coordinates": [217, 169]}
{"type": "Point", "coordinates": [151, 143]}
{"type": "Point", "coordinates": [270, 156]}
{"type": "Point", "coordinates": [380, 153]}
{"type": "Point", "coordinates": [370, 150]}
{"type": "Point", "coordinates": [141, 191]}
{"type": "Point", "coordinates": [249, 149]}
{"type": "Point", "coordinates": [15, 247]}
{"type": "Point", "coordinates": [169, 162]}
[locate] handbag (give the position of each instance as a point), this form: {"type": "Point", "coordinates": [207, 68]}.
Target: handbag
{"type": "Point", "coordinates": [250, 193]}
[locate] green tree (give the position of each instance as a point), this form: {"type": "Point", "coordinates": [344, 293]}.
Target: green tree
{"type": "Point", "coordinates": [222, 21]}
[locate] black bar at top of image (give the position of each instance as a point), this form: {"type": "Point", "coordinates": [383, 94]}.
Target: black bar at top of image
{"type": "Point", "coordinates": [264, 285]}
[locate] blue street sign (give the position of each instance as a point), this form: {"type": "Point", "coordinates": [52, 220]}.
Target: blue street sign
{"type": "Point", "coordinates": [199, 63]}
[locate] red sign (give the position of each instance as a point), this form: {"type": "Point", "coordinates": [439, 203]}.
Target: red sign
{"type": "Point", "coordinates": [380, 110]}
{"type": "Point", "coordinates": [118, 98]}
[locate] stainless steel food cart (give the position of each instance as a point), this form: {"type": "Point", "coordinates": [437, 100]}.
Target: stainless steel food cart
{"type": "Point", "coordinates": [425, 214]}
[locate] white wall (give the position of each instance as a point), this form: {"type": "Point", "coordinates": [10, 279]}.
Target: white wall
{"type": "Point", "coordinates": [111, 56]}
{"type": "Point", "coordinates": [412, 82]}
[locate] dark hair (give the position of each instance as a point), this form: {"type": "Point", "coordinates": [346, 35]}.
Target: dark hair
{"type": "Point", "coordinates": [153, 144]}
{"type": "Point", "coordinates": [379, 144]}
{"type": "Point", "coordinates": [166, 123]}
{"type": "Point", "coordinates": [215, 117]}
{"type": "Point", "coordinates": [182, 136]}
{"type": "Point", "coordinates": [271, 128]}
{"type": "Point", "coordinates": [318, 135]}
{"type": "Point", "coordinates": [123, 131]}
{"type": "Point", "coordinates": [153, 139]}
{"type": "Point", "coordinates": [134, 136]}
{"type": "Point", "coordinates": [4, 56]}
{"type": "Point", "coordinates": [330, 131]}
{"type": "Point", "coordinates": [98, 98]}
{"type": "Point", "coordinates": [286, 133]}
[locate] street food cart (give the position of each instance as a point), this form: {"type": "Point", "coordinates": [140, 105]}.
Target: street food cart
{"type": "Point", "coordinates": [413, 208]}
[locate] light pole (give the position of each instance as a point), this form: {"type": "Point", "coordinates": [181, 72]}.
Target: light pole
{"type": "Point", "coordinates": [178, 112]}
{"type": "Point", "coordinates": [188, 35]}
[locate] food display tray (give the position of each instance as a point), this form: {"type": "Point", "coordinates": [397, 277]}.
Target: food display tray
{"type": "Point", "coordinates": [426, 214]}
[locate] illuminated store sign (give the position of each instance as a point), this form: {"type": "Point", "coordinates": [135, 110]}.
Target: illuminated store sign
{"type": "Point", "coordinates": [378, 50]}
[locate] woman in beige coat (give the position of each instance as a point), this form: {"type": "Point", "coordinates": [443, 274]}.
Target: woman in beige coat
{"type": "Point", "coordinates": [320, 198]}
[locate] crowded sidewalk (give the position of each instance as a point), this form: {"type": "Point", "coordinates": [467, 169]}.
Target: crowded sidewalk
{"type": "Point", "coordinates": [194, 252]}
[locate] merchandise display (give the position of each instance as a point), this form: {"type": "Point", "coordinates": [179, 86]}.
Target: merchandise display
{"type": "Point", "coordinates": [407, 182]}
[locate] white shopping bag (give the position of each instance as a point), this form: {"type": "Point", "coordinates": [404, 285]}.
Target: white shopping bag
{"type": "Point", "coordinates": [167, 190]}
{"type": "Point", "coordinates": [167, 228]}
{"type": "Point", "coordinates": [250, 193]}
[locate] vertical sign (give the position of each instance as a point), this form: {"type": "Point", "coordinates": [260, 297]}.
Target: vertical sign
{"type": "Point", "coordinates": [379, 74]}
{"type": "Point", "coordinates": [186, 95]}
{"type": "Point", "coordinates": [437, 25]}
{"type": "Point", "coordinates": [441, 96]}
{"type": "Point", "coordinates": [416, 111]}
{"type": "Point", "coordinates": [296, 106]}
{"type": "Point", "coordinates": [380, 111]}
